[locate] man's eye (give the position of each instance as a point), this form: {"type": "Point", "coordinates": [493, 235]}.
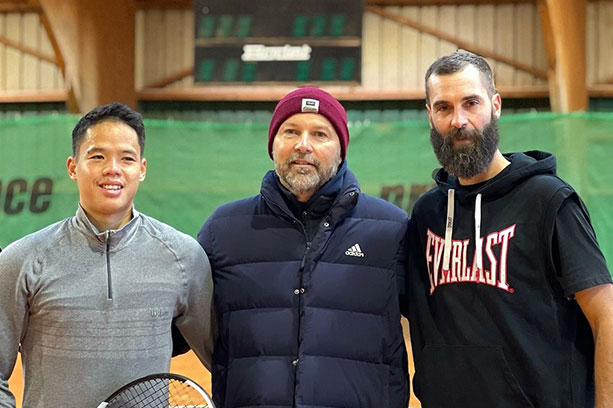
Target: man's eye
{"type": "Point", "coordinates": [473, 103]}
{"type": "Point", "coordinates": [442, 108]}
{"type": "Point", "coordinates": [290, 131]}
{"type": "Point", "coordinates": [97, 157]}
{"type": "Point", "coordinates": [130, 159]}
{"type": "Point", "coordinates": [321, 134]}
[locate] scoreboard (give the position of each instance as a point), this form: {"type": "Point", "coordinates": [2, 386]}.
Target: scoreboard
{"type": "Point", "coordinates": [277, 41]}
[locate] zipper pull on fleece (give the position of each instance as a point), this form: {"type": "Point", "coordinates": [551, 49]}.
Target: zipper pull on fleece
{"type": "Point", "coordinates": [448, 229]}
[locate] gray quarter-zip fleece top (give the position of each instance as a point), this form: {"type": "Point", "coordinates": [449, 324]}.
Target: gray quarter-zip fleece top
{"type": "Point", "coordinates": [91, 311]}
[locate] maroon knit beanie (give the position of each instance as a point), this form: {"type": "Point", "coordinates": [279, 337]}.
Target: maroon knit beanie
{"type": "Point", "coordinates": [310, 100]}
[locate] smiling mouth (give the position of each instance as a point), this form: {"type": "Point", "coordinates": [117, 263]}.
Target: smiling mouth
{"type": "Point", "coordinates": [111, 187]}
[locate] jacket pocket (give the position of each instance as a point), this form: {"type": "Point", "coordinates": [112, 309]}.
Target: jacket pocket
{"type": "Point", "coordinates": [468, 376]}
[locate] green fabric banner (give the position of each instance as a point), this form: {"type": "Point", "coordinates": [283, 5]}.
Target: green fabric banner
{"type": "Point", "coordinates": [194, 167]}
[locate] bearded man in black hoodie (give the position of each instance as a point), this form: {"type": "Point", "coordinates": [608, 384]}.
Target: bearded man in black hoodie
{"type": "Point", "coordinates": [511, 301]}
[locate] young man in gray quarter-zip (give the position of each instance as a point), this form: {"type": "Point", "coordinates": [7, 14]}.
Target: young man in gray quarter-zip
{"type": "Point", "coordinates": [89, 301]}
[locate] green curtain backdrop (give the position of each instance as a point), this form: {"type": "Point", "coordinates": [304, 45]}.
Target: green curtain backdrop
{"type": "Point", "coordinates": [193, 166]}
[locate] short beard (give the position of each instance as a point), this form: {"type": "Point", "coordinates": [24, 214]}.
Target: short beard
{"type": "Point", "coordinates": [304, 181]}
{"type": "Point", "coordinates": [466, 161]}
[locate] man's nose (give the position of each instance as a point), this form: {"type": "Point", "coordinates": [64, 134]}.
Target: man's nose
{"type": "Point", "coordinates": [459, 119]}
{"type": "Point", "coordinates": [304, 144]}
{"type": "Point", "coordinates": [112, 167]}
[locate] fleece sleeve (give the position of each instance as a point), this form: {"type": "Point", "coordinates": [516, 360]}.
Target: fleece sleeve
{"type": "Point", "coordinates": [197, 323]}
{"type": "Point", "coordinates": [13, 317]}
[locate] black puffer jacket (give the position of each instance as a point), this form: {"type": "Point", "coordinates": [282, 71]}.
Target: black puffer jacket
{"type": "Point", "coordinates": [308, 323]}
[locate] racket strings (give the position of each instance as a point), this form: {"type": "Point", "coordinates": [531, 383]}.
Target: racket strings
{"type": "Point", "coordinates": [159, 393]}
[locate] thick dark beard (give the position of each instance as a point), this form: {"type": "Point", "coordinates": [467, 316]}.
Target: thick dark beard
{"type": "Point", "coordinates": [299, 182]}
{"type": "Point", "coordinates": [466, 161]}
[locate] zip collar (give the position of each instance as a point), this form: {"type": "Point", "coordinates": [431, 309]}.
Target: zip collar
{"type": "Point", "coordinates": [116, 239]}
{"type": "Point", "coordinates": [344, 202]}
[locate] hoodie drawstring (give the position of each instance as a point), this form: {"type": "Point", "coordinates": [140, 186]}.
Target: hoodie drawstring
{"type": "Point", "coordinates": [478, 240]}
{"type": "Point", "coordinates": [449, 231]}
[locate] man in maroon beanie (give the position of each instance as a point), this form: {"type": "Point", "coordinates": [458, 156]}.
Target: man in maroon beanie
{"type": "Point", "coordinates": [306, 276]}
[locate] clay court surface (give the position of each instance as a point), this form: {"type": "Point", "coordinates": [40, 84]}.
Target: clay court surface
{"type": "Point", "coordinates": [187, 365]}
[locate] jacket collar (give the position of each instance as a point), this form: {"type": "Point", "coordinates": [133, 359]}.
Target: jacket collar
{"type": "Point", "coordinates": [115, 239]}
{"type": "Point", "coordinates": [344, 184]}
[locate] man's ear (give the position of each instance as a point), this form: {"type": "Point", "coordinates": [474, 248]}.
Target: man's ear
{"type": "Point", "coordinates": [429, 116]}
{"type": "Point", "coordinates": [71, 167]}
{"type": "Point", "coordinates": [496, 106]}
{"type": "Point", "coordinates": [143, 169]}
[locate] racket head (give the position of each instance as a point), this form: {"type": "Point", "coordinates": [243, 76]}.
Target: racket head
{"type": "Point", "coordinates": [164, 390]}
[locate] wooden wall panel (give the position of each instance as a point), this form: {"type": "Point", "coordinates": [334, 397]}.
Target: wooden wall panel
{"type": "Point", "coordinates": [504, 17]}
{"type": "Point", "coordinates": [139, 49]}
{"type": "Point", "coordinates": [3, 53]}
{"type": "Point", "coordinates": [187, 44]}
{"type": "Point", "coordinates": [19, 70]}
{"type": "Point", "coordinates": [447, 23]}
{"type": "Point", "coordinates": [540, 53]}
{"type": "Point", "coordinates": [591, 44]}
{"type": "Point", "coordinates": [174, 35]}
{"type": "Point", "coordinates": [154, 46]}
{"type": "Point", "coordinates": [390, 46]}
{"type": "Point", "coordinates": [485, 29]}
{"type": "Point", "coordinates": [14, 58]}
{"type": "Point", "coordinates": [523, 41]}
{"type": "Point", "coordinates": [466, 26]}
{"type": "Point", "coordinates": [371, 42]}
{"type": "Point", "coordinates": [410, 52]}
{"type": "Point", "coordinates": [31, 64]}
{"type": "Point", "coordinates": [428, 44]}
{"type": "Point", "coordinates": [605, 39]}
{"type": "Point", "coordinates": [50, 75]}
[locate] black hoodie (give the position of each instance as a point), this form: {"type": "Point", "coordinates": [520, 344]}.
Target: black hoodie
{"type": "Point", "coordinates": [498, 327]}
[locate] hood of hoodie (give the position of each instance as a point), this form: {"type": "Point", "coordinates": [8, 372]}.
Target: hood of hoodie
{"type": "Point", "coordinates": [523, 166]}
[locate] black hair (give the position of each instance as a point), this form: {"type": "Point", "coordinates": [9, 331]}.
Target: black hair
{"type": "Point", "coordinates": [457, 61]}
{"type": "Point", "coordinates": [113, 111]}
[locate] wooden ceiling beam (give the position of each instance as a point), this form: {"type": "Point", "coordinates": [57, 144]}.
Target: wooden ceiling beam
{"type": "Point", "coordinates": [17, 8]}
{"type": "Point", "coordinates": [564, 32]}
{"type": "Point", "coordinates": [32, 96]}
{"type": "Point", "coordinates": [27, 50]}
{"type": "Point", "coordinates": [96, 41]}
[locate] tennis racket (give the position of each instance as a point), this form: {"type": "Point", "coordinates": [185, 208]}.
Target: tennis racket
{"type": "Point", "coordinates": [159, 391]}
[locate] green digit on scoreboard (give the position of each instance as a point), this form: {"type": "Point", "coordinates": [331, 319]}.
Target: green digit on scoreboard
{"type": "Point", "coordinates": [318, 26]}
{"type": "Point", "coordinates": [206, 70]}
{"type": "Point", "coordinates": [225, 26]}
{"type": "Point", "coordinates": [249, 71]}
{"type": "Point", "coordinates": [347, 69]}
{"type": "Point", "coordinates": [243, 26]}
{"type": "Point", "coordinates": [337, 25]}
{"type": "Point", "coordinates": [328, 68]}
{"type": "Point", "coordinates": [302, 71]}
{"type": "Point", "coordinates": [230, 70]}
{"type": "Point", "coordinates": [206, 28]}
{"type": "Point", "coordinates": [299, 28]}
